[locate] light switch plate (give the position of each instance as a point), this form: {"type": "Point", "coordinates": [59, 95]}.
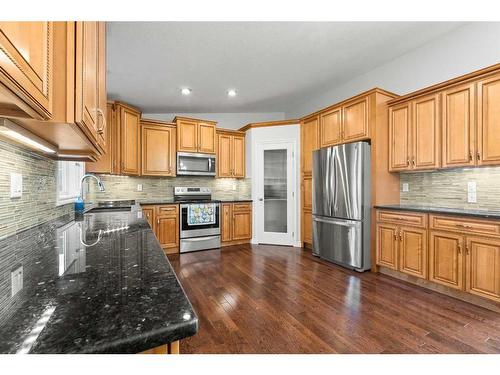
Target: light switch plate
{"type": "Point", "coordinates": [406, 186]}
{"type": "Point", "coordinates": [471, 192]}
{"type": "Point", "coordinates": [16, 281]}
{"type": "Point", "coordinates": [16, 185]}
{"type": "Point", "coordinates": [139, 187]}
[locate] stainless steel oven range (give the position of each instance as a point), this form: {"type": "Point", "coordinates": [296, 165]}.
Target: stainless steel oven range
{"type": "Point", "coordinates": [199, 218]}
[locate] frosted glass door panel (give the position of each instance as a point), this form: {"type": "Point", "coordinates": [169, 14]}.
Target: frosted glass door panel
{"type": "Point", "coordinates": [275, 191]}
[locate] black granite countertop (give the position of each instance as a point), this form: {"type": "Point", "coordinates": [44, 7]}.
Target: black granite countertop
{"type": "Point", "coordinates": [99, 285]}
{"type": "Point", "coordinates": [488, 214]}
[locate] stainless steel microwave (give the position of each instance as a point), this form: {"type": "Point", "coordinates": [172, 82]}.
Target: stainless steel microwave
{"type": "Point", "coordinates": [195, 164]}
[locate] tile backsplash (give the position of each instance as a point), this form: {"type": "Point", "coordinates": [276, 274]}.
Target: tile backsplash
{"type": "Point", "coordinates": [125, 187]}
{"type": "Point", "coordinates": [39, 189]}
{"type": "Point", "coordinates": [448, 188]}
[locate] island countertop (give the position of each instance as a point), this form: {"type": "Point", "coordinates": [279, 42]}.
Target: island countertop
{"type": "Point", "coordinates": [486, 214]}
{"type": "Point", "coordinates": [99, 285]}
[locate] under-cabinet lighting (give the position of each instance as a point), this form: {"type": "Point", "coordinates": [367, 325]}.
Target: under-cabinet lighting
{"type": "Point", "coordinates": [17, 133]}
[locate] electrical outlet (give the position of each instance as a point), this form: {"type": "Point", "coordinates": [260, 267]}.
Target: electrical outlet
{"type": "Point", "coordinates": [16, 185]}
{"type": "Point", "coordinates": [139, 187]}
{"type": "Point", "coordinates": [234, 186]}
{"type": "Point", "coordinates": [16, 281]}
{"type": "Point", "coordinates": [406, 186]}
{"type": "Point", "coordinates": [471, 192]}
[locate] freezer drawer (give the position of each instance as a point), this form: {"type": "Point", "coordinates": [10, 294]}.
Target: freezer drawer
{"type": "Point", "coordinates": [342, 241]}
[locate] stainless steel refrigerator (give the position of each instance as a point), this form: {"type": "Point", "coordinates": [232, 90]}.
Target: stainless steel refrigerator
{"type": "Point", "coordinates": [341, 205]}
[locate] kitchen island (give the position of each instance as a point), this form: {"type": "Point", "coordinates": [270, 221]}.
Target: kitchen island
{"type": "Point", "coordinates": [97, 284]}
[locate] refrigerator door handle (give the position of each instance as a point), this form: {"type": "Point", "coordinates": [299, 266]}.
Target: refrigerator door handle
{"type": "Point", "coordinates": [345, 223]}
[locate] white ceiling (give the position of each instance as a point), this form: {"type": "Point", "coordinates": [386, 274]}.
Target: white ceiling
{"type": "Point", "coordinates": [271, 65]}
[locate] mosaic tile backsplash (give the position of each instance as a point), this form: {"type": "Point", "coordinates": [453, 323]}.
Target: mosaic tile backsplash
{"type": "Point", "coordinates": [448, 188]}
{"type": "Point", "coordinates": [124, 187]}
{"type": "Point", "coordinates": [38, 202]}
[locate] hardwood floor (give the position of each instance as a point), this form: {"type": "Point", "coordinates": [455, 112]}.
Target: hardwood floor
{"type": "Point", "coordinates": [273, 299]}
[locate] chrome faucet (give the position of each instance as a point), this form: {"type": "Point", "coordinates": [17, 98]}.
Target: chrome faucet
{"type": "Point", "coordinates": [100, 185]}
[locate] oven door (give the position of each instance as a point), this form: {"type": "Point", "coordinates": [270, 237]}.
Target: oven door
{"type": "Point", "coordinates": [189, 231]}
{"type": "Point", "coordinates": [195, 164]}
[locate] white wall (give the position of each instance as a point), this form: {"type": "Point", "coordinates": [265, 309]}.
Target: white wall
{"type": "Point", "coordinates": [463, 50]}
{"type": "Point", "coordinates": [225, 120]}
{"type": "Point", "coordinates": [274, 133]}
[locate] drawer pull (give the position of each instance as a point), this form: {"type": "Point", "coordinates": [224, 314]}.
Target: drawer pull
{"type": "Point", "coordinates": [467, 226]}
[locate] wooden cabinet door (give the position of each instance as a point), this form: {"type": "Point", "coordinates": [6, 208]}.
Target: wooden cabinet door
{"type": "Point", "coordinates": [102, 97]}
{"type": "Point", "coordinates": [355, 120]}
{"type": "Point", "coordinates": [483, 267]}
{"type": "Point", "coordinates": [413, 251]}
{"type": "Point", "coordinates": [206, 138]}
{"type": "Point", "coordinates": [149, 214]}
{"type": "Point", "coordinates": [387, 246]}
{"type": "Point", "coordinates": [226, 222]}
{"type": "Point", "coordinates": [330, 127]}
{"type": "Point", "coordinates": [26, 54]}
{"type": "Point", "coordinates": [130, 141]}
{"type": "Point", "coordinates": [187, 136]}
{"type": "Point", "coordinates": [87, 75]}
{"type": "Point", "coordinates": [238, 156]}
{"type": "Point", "coordinates": [307, 226]}
{"type": "Point", "coordinates": [426, 137]}
{"type": "Point", "coordinates": [167, 231]}
{"type": "Point", "coordinates": [307, 193]}
{"type": "Point", "coordinates": [309, 142]}
{"type": "Point", "coordinates": [224, 159]}
{"type": "Point", "coordinates": [242, 225]}
{"type": "Point", "coordinates": [399, 137]}
{"type": "Point", "coordinates": [446, 259]}
{"type": "Point", "coordinates": [158, 155]}
{"type": "Point", "coordinates": [458, 119]}
{"type": "Point", "coordinates": [488, 121]}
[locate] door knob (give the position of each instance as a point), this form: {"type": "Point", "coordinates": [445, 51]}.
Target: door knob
{"type": "Point", "coordinates": [261, 199]}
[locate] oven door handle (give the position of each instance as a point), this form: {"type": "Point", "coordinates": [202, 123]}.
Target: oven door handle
{"type": "Point", "coordinates": [197, 239]}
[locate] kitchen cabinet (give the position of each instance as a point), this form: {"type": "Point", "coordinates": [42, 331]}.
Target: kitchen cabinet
{"type": "Point", "coordinates": [158, 148]}
{"type": "Point", "coordinates": [52, 82]}
{"type": "Point", "coordinates": [466, 110]}
{"type": "Point", "coordinates": [331, 127]}
{"type": "Point", "coordinates": [458, 113]}
{"type": "Point", "coordinates": [149, 213]}
{"type": "Point", "coordinates": [483, 267]}
{"type": "Point", "coordinates": [355, 120]}
{"type": "Point", "coordinates": [307, 193]}
{"type": "Point", "coordinates": [236, 223]}
{"type": "Point", "coordinates": [387, 245]}
{"type": "Point", "coordinates": [309, 142]}
{"type": "Point", "coordinates": [130, 139]}
{"type": "Point", "coordinates": [107, 162]}
{"type": "Point", "coordinates": [230, 154]}
{"type": "Point", "coordinates": [414, 135]}
{"type": "Point", "coordinates": [164, 221]}
{"type": "Point", "coordinates": [402, 242]}
{"type": "Point", "coordinates": [445, 259]}
{"type": "Point", "coordinates": [26, 68]}
{"type": "Point", "coordinates": [307, 227]}
{"type": "Point", "coordinates": [195, 135]}
{"type": "Point", "coordinates": [488, 121]}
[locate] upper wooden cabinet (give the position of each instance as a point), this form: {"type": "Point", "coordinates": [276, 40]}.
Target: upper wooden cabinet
{"type": "Point", "coordinates": [26, 66]}
{"type": "Point", "coordinates": [452, 124]}
{"type": "Point", "coordinates": [331, 127]}
{"type": "Point", "coordinates": [130, 139]}
{"type": "Point", "coordinates": [309, 142]}
{"type": "Point", "coordinates": [53, 83]}
{"type": "Point", "coordinates": [158, 148]}
{"type": "Point", "coordinates": [414, 134]}
{"type": "Point", "coordinates": [230, 154]}
{"type": "Point", "coordinates": [108, 161]}
{"type": "Point", "coordinates": [458, 119]}
{"type": "Point", "coordinates": [488, 121]}
{"type": "Point", "coordinates": [195, 135]}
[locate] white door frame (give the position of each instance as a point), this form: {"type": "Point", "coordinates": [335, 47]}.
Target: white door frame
{"type": "Point", "coordinates": [289, 238]}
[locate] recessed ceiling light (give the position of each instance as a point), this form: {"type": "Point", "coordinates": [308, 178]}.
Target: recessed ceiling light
{"type": "Point", "coordinates": [231, 92]}
{"type": "Point", "coordinates": [186, 91]}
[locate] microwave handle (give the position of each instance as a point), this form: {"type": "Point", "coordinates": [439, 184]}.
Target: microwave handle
{"type": "Point", "coordinates": [210, 164]}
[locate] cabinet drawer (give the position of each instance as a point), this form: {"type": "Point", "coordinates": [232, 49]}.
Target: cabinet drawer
{"type": "Point", "coordinates": [465, 225]}
{"type": "Point", "coordinates": [171, 209]}
{"type": "Point", "coordinates": [403, 218]}
{"type": "Point", "coordinates": [239, 207]}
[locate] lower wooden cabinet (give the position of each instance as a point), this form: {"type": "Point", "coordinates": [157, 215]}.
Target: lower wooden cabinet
{"type": "Point", "coordinates": [164, 220]}
{"type": "Point", "coordinates": [456, 252]}
{"type": "Point", "coordinates": [236, 223]}
{"type": "Point", "coordinates": [307, 228]}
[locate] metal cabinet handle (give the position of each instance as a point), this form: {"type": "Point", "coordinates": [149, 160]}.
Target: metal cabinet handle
{"type": "Point", "coordinates": [467, 250]}
{"type": "Point", "coordinates": [460, 248]}
{"type": "Point", "coordinates": [413, 161]}
{"type": "Point", "coordinates": [478, 156]}
{"type": "Point", "coordinates": [400, 237]}
{"type": "Point", "coordinates": [470, 156]}
{"type": "Point", "coordinates": [101, 113]}
{"type": "Point", "coordinates": [408, 161]}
